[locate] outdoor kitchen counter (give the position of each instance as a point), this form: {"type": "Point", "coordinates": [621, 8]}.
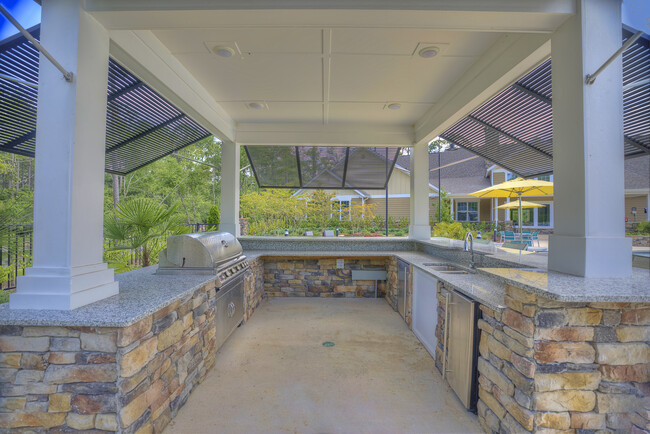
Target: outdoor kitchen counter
{"type": "Point", "coordinates": [141, 293]}
{"type": "Point", "coordinates": [565, 287]}
{"type": "Point", "coordinates": [484, 289]}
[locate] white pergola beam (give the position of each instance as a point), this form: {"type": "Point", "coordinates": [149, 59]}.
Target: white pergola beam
{"type": "Point", "coordinates": [501, 65]}
{"type": "Point", "coordinates": [278, 133]}
{"type": "Point", "coordinates": [541, 16]}
{"type": "Point", "coordinates": [145, 56]}
{"type": "Point", "coordinates": [537, 6]}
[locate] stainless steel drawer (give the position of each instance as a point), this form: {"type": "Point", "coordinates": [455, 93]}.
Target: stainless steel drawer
{"type": "Point", "coordinates": [229, 309]}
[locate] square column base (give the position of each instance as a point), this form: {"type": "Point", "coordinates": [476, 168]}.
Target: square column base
{"type": "Point", "coordinates": [232, 228]}
{"type": "Point", "coordinates": [419, 232]}
{"type": "Point", "coordinates": [590, 256]}
{"type": "Point", "coordinates": [63, 288]}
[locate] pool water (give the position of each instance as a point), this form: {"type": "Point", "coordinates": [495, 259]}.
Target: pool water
{"type": "Point", "coordinates": [644, 254]}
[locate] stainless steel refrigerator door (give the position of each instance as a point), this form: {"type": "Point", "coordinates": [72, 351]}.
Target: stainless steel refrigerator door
{"type": "Point", "coordinates": [461, 346]}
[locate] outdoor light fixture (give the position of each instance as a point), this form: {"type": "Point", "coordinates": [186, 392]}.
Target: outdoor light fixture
{"type": "Point", "coordinates": [428, 52]}
{"type": "Point", "coordinates": [393, 106]}
{"type": "Point", "coordinates": [223, 51]}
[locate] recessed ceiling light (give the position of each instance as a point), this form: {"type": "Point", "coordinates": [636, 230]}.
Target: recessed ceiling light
{"type": "Point", "coordinates": [223, 51]}
{"type": "Point", "coordinates": [256, 105]}
{"type": "Point", "coordinates": [394, 106]}
{"type": "Point", "coordinates": [428, 52]}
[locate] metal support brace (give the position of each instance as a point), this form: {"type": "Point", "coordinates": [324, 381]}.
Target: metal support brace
{"type": "Point", "coordinates": [591, 78]}
{"type": "Point", "coordinates": [66, 74]}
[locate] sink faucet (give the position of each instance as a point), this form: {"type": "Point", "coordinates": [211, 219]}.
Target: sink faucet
{"type": "Point", "coordinates": [469, 247]}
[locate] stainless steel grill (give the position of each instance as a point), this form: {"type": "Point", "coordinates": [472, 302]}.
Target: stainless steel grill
{"type": "Point", "coordinates": [211, 253]}
{"type": "Point", "coordinates": [216, 253]}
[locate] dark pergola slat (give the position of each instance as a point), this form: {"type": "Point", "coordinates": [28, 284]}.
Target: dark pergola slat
{"type": "Point", "coordinates": [511, 115]}
{"type": "Point", "coordinates": [134, 112]}
{"type": "Point", "coordinates": [509, 136]}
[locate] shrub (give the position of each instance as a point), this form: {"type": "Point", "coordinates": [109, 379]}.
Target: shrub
{"type": "Point", "coordinates": [4, 296]}
{"type": "Point", "coordinates": [643, 228]}
{"type": "Point", "coordinates": [214, 218]}
{"type": "Point", "coordinates": [453, 230]}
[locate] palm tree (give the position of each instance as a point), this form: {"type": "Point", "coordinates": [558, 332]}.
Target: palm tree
{"type": "Point", "coordinates": [136, 223]}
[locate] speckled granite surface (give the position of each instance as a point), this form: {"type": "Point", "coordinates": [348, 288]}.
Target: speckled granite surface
{"type": "Point", "coordinates": [332, 244]}
{"type": "Point", "coordinates": [564, 287]}
{"type": "Point", "coordinates": [141, 294]}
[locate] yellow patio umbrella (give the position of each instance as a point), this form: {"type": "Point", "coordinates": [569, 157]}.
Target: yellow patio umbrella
{"type": "Point", "coordinates": [524, 204]}
{"type": "Point", "coordinates": [517, 188]}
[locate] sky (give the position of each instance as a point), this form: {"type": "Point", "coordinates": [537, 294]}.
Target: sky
{"type": "Point", "coordinates": [27, 12]}
{"type": "Point", "coordinates": [636, 14]}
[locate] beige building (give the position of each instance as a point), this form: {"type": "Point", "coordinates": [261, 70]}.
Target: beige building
{"type": "Point", "coordinates": [462, 173]}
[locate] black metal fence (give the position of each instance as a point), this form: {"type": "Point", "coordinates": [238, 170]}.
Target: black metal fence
{"type": "Point", "coordinates": [16, 251]}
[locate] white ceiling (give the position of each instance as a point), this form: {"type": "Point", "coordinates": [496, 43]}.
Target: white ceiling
{"type": "Point", "coordinates": [328, 75]}
{"type": "Point", "coordinates": [334, 68]}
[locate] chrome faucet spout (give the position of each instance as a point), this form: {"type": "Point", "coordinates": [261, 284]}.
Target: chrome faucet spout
{"type": "Point", "coordinates": [469, 246]}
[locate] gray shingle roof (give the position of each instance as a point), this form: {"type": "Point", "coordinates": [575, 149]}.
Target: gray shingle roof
{"type": "Point", "coordinates": [469, 176]}
{"type": "Point", "coordinates": [637, 172]}
{"type": "Point", "coordinates": [464, 177]}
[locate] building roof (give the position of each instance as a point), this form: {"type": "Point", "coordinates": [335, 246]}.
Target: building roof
{"type": "Point", "coordinates": [461, 171]}
{"type": "Point", "coordinates": [637, 173]}
{"type": "Point", "coordinates": [470, 172]}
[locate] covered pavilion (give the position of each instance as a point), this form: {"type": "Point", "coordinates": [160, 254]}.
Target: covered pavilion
{"type": "Point", "coordinates": [320, 73]}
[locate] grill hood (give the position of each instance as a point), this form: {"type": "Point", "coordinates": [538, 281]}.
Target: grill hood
{"type": "Point", "coordinates": [204, 251]}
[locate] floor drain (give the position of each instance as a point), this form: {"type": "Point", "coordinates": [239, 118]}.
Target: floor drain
{"type": "Point", "coordinates": [328, 344]}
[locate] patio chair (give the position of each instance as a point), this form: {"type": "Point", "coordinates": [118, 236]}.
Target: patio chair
{"type": "Point", "coordinates": [534, 237]}
{"type": "Point", "coordinates": [508, 236]}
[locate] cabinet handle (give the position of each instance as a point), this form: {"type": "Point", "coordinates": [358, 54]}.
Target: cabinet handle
{"type": "Point", "coordinates": [445, 334]}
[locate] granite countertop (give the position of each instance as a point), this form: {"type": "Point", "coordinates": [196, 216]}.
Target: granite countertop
{"type": "Point", "coordinates": [141, 293]}
{"type": "Point", "coordinates": [565, 287]}
{"type": "Point", "coordinates": [482, 288]}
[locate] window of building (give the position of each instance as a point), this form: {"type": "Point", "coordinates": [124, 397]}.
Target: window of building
{"type": "Point", "coordinates": [467, 211]}
{"type": "Point", "coordinates": [510, 176]}
{"type": "Point", "coordinates": [341, 209]}
{"type": "Point", "coordinates": [544, 178]}
{"type": "Point", "coordinates": [534, 217]}
{"type": "Point", "coordinates": [544, 216]}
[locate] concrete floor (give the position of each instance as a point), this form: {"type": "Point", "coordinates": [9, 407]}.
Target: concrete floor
{"type": "Point", "coordinates": [274, 375]}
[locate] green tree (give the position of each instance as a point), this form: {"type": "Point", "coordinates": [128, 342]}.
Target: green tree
{"type": "Point", "coordinates": [136, 223]}
{"type": "Point", "coordinates": [319, 207]}
{"type": "Point", "coordinates": [445, 208]}
{"type": "Point", "coordinates": [214, 218]}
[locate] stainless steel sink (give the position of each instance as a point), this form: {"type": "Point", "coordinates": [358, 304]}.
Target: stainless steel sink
{"type": "Point", "coordinates": [446, 268]}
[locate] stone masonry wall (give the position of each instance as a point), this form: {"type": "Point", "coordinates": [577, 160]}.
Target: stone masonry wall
{"type": "Point", "coordinates": [319, 277]}
{"type": "Point", "coordinates": [391, 281]}
{"type": "Point", "coordinates": [573, 367]}
{"type": "Point", "coordinates": [392, 290]}
{"type": "Point", "coordinates": [132, 379]}
{"type": "Point", "coordinates": [253, 287]}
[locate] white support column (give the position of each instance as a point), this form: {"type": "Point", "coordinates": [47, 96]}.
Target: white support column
{"type": "Point", "coordinates": [230, 188]}
{"type": "Point", "coordinates": [419, 228]}
{"type": "Point", "coordinates": [67, 270]}
{"type": "Point", "coordinates": [589, 234]}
